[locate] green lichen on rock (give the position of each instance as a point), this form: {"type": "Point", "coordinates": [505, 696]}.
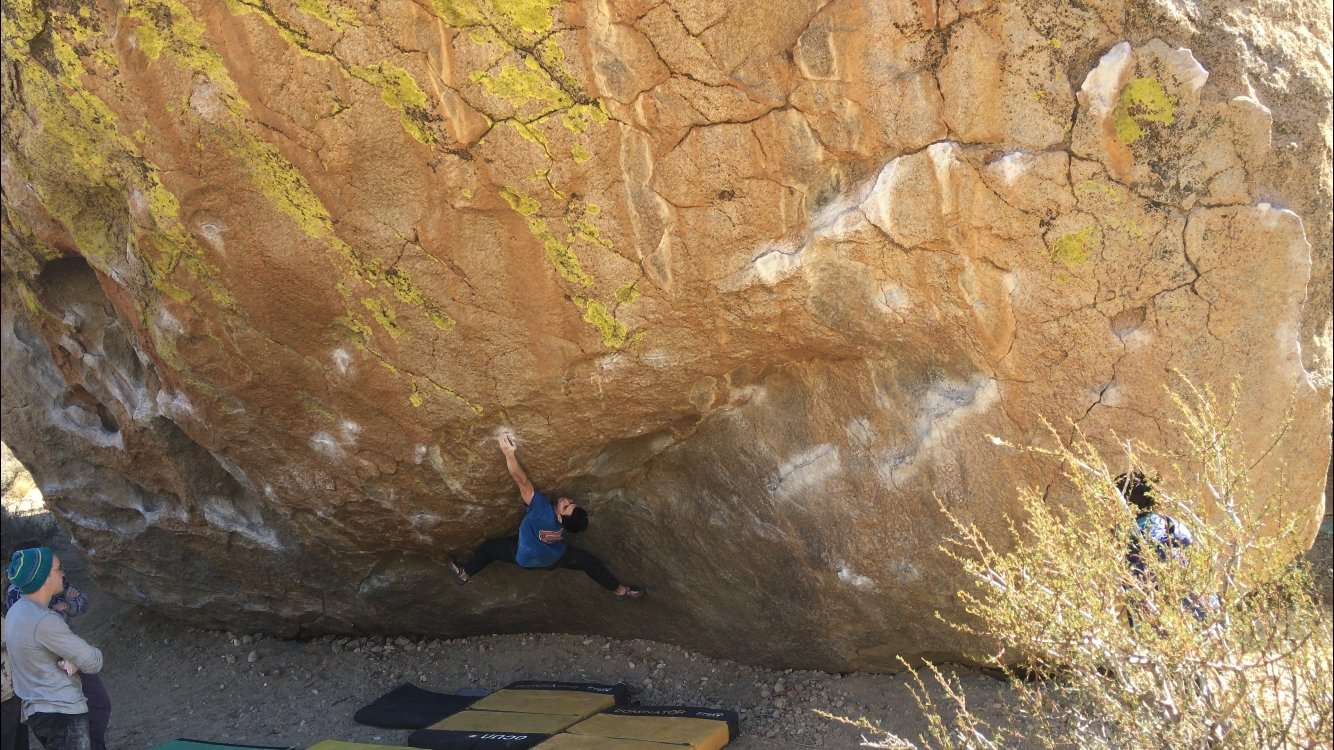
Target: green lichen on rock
{"type": "Point", "coordinates": [562, 258]}
{"type": "Point", "coordinates": [628, 293]}
{"type": "Point", "coordinates": [523, 204]}
{"type": "Point", "coordinates": [81, 166]}
{"type": "Point", "coordinates": [614, 333]}
{"type": "Point", "coordinates": [403, 287]}
{"type": "Point", "coordinates": [536, 78]}
{"type": "Point", "coordinates": [175, 29]}
{"type": "Point", "coordinates": [517, 17]}
{"type": "Point", "coordinates": [30, 301]}
{"type": "Point", "coordinates": [565, 261]}
{"type": "Point", "coordinates": [332, 13]}
{"type": "Point", "coordinates": [440, 320]}
{"type": "Point", "coordinates": [454, 394]}
{"type": "Point", "coordinates": [531, 134]}
{"type": "Point", "coordinates": [22, 22]}
{"type": "Point", "coordinates": [148, 40]}
{"type": "Point", "coordinates": [580, 117]}
{"type": "Point", "coordinates": [384, 314]}
{"type": "Point", "coordinates": [400, 91]}
{"type": "Point", "coordinates": [524, 84]}
{"type": "Point", "coordinates": [1143, 100]}
{"type": "Point", "coordinates": [276, 178]}
{"type": "Point", "coordinates": [531, 16]}
{"type": "Point", "coordinates": [417, 397]}
{"type": "Point", "coordinates": [1074, 248]}
{"type": "Point", "coordinates": [356, 325]}
{"type": "Point", "coordinates": [580, 217]}
{"type": "Point", "coordinates": [459, 13]}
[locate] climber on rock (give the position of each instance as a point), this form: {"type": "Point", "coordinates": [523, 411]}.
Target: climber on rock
{"type": "Point", "coordinates": [541, 543]}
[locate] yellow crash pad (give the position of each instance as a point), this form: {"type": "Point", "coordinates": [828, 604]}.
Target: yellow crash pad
{"type": "Point", "coordinates": [559, 702]}
{"type": "Point", "coordinates": [587, 742]}
{"type": "Point", "coordinates": [698, 734]}
{"type": "Point", "coordinates": [340, 745]}
{"type": "Point", "coordinates": [505, 721]}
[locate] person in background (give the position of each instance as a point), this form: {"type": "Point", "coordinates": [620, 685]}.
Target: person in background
{"type": "Point", "coordinates": [13, 732]}
{"type": "Point", "coordinates": [68, 603]}
{"type": "Point", "coordinates": [46, 657]}
{"type": "Point", "coordinates": [1160, 531]}
{"type": "Point", "coordinates": [541, 542]}
{"type": "Point", "coordinates": [1165, 535]}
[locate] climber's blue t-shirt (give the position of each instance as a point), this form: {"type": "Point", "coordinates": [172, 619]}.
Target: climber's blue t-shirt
{"type": "Point", "coordinates": [541, 537]}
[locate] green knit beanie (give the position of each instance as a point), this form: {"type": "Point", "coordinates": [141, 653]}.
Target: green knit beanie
{"type": "Point", "coordinates": [28, 568]}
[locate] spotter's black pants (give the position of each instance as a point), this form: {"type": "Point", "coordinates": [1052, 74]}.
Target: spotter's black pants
{"type": "Point", "coordinates": [61, 731]}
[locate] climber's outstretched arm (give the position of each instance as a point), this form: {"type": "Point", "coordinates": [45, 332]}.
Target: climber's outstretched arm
{"type": "Point", "coordinates": [510, 448]}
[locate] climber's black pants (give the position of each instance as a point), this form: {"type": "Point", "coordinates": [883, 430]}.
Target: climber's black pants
{"type": "Point", "coordinates": [504, 550]}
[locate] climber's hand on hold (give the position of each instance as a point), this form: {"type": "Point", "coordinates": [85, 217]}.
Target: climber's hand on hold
{"type": "Point", "coordinates": [510, 447]}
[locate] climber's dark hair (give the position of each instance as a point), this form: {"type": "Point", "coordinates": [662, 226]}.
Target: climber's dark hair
{"type": "Point", "coordinates": [1136, 489]}
{"type": "Point", "coordinates": [576, 522]}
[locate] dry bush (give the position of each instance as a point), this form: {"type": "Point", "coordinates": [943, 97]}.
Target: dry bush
{"type": "Point", "coordinates": [1219, 645]}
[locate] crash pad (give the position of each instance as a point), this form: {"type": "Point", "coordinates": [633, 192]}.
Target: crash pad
{"type": "Point", "coordinates": [574, 703]}
{"type": "Point", "coordinates": [520, 715]}
{"type": "Point", "coordinates": [342, 745]}
{"type": "Point", "coordinates": [697, 728]}
{"type": "Point", "coordinates": [588, 742]}
{"type": "Point", "coordinates": [183, 743]}
{"type": "Point", "coordinates": [410, 707]}
{"type": "Point", "coordinates": [505, 721]}
{"type": "Point", "coordinates": [443, 739]}
{"type": "Point", "coordinates": [620, 692]}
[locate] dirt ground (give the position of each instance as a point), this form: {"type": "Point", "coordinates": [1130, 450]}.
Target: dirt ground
{"type": "Point", "coordinates": [168, 680]}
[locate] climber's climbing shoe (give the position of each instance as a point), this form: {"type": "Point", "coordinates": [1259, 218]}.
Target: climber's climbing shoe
{"type": "Point", "coordinates": [459, 572]}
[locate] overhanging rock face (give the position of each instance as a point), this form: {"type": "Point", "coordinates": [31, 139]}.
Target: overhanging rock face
{"type": "Point", "coordinates": [755, 281]}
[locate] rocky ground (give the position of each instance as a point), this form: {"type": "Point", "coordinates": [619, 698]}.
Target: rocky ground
{"type": "Point", "coordinates": [173, 681]}
{"type": "Point", "coordinates": [168, 681]}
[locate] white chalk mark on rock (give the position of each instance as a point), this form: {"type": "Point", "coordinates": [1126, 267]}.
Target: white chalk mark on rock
{"type": "Point", "coordinates": [1181, 63]}
{"type": "Point", "coordinates": [805, 471]}
{"type": "Point", "coordinates": [1012, 166]}
{"type": "Point", "coordinates": [349, 431]}
{"type": "Point", "coordinates": [326, 445]}
{"type": "Point", "coordinates": [946, 406]}
{"type": "Point", "coordinates": [342, 361]}
{"type": "Point", "coordinates": [1103, 84]}
{"type": "Point", "coordinates": [853, 578]}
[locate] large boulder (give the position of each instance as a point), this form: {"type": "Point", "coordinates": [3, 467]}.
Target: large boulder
{"type": "Point", "coordinates": [756, 282]}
